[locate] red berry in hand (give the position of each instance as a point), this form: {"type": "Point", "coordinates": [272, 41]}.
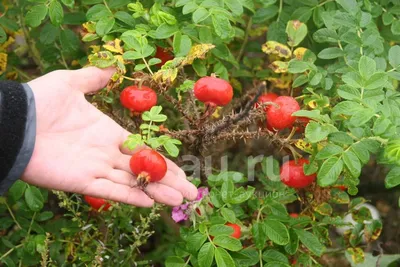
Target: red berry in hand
{"type": "Point", "coordinates": [268, 97]}
{"type": "Point", "coordinates": [213, 91]}
{"type": "Point", "coordinates": [97, 203]}
{"type": "Point", "coordinates": [292, 174]}
{"type": "Point", "coordinates": [236, 230]}
{"type": "Point", "coordinates": [294, 215]}
{"type": "Point", "coordinates": [138, 99]}
{"type": "Point", "coordinates": [148, 165]}
{"type": "Point", "coordinates": [280, 116]}
{"type": "Point", "coordinates": [163, 54]}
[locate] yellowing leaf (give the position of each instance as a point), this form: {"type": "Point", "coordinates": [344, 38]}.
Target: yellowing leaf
{"type": "Point", "coordinates": [74, 63]}
{"type": "Point", "coordinates": [217, 113]}
{"type": "Point", "coordinates": [3, 62]}
{"type": "Point", "coordinates": [95, 48]}
{"type": "Point", "coordinates": [258, 31]}
{"type": "Point", "coordinates": [272, 47]}
{"type": "Point", "coordinates": [121, 64]}
{"type": "Point", "coordinates": [299, 52]}
{"type": "Point", "coordinates": [197, 51]}
{"type": "Point", "coordinates": [283, 82]}
{"type": "Point", "coordinates": [114, 46]}
{"type": "Point", "coordinates": [166, 75]}
{"type": "Point", "coordinates": [357, 255]}
{"type": "Point", "coordinates": [7, 43]}
{"type": "Point", "coordinates": [12, 75]}
{"type": "Point", "coordinates": [89, 26]}
{"type": "Point", "coordinates": [304, 146]}
{"type": "Point", "coordinates": [102, 59]}
{"type": "Point", "coordinates": [279, 66]}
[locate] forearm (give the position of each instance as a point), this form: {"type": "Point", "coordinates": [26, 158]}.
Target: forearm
{"type": "Point", "coordinates": [17, 131]}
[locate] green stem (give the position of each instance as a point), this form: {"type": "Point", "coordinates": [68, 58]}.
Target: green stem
{"type": "Point", "coordinates": [246, 39]}
{"type": "Point", "coordinates": [147, 66]}
{"type": "Point", "coordinates": [323, 3]}
{"type": "Point", "coordinates": [12, 216]}
{"type": "Point", "coordinates": [10, 251]}
{"type": "Point", "coordinates": [105, 3]}
{"type": "Point", "coordinates": [187, 262]}
{"type": "Point", "coordinates": [280, 10]}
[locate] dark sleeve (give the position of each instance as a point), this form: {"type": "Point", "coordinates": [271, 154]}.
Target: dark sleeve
{"type": "Point", "coordinates": [17, 131]}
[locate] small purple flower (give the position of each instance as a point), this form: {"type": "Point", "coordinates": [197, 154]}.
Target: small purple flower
{"type": "Point", "coordinates": [178, 213]}
{"type": "Point", "coordinates": [202, 192]}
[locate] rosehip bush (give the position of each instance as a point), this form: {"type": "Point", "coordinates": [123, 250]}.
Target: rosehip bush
{"type": "Point", "coordinates": [310, 85]}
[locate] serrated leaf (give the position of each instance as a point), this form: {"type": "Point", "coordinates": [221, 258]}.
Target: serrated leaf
{"type": "Point", "coordinates": [36, 15]}
{"type": "Point", "coordinates": [394, 56]}
{"type": "Point", "coordinates": [393, 178]}
{"type": "Point", "coordinates": [34, 198]}
{"type": "Point", "coordinates": [329, 151]}
{"type": "Point", "coordinates": [331, 53]}
{"type": "Point", "coordinates": [195, 241]}
{"type": "Point", "coordinates": [367, 67]}
{"type": "Point", "coordinates": [223, 258]}
{"type": "Point", "coordinates": [56, 12]}
{"type": "Point", "coordinates": [220, 229]}
{"type": "Point", "coordinates": [352, 163]}
{"type": "Point", "coordinates": [228, 215]}
{"type": "Point", "coordinates": [227, 242]}
{"type": "Point", "coordinates": [259, 234]}
{"type": "Point", "coordinates": [205, 257]}
{"type": "Point", "coordinates": [329, 171]}
{"type": "Point", "coordinates": [277, 232]}
{"type": "Point", "coordinates": [310, 241]}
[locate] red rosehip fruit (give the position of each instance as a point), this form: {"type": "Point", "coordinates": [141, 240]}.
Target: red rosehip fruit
{"type": "Point", "coordinates": [292, 174]}
{"type": "Point", "coordinates": [294, 215]}
{"type": "Point", "coordinates": [163, 54]}
{"type": "Point", "coordinates": [279, 116]}
{"type": "Point", "coordinates": [237, 232]}
{"type": "Point", "coordinates": [148, 165]}
{"type": "Point", "coordinates": [97, 203]}
{"type": "Point", "coordinates": [137, 99]}
{"type": "Point", "coordinates": [268, 97]}
{"type": "Point", "coordinates": [341, 187]}
{"type": "Point", "coordinates": [213, 91]}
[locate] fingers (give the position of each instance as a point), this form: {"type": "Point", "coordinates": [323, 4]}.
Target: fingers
{"type": "Point", "coordinates": [161, 193]}
{"type": "Point", "coordinates": [175, 177]}
{"type": "Point", "coordinates": [103, 188]}
{"type": "Point", "coordinates": [91, 79]}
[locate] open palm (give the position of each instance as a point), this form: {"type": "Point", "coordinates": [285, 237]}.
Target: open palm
{"type": "Point", "coordinates": [79, 149]}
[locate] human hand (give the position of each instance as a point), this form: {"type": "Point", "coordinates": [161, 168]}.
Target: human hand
{"type": "Point", "coordinates": [79, 149]}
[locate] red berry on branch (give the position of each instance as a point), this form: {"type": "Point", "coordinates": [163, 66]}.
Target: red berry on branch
{"type": "Point", "coordinates": [138, 99]}
{"type": "Point", "coordinates": [148, 165]}
{"type": "Point", "coordinates": [213, 91]}
{"type": "Point", "coordinates": [163, 54]}
{"type": "Point", "coordinates": [292, 174]}
{"type": "Point", "coordinates": [279, 116]}
{"type": "Point", "coordinates": [268, 97]}
{"type": "Point", "coordinates": [301, 124]}
{"type": "Point", "coordinates": [97, 203]}
{"type": "Point", "coordinates": [237, 232]}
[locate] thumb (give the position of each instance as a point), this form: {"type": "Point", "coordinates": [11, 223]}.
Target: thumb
{"type": "Point", "coordinates": [91, 79]}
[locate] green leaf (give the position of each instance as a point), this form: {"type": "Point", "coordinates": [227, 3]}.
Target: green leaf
{"type": "Point", "coordinates": [330, 171]}
{"type": "Point", "coordinates": [68, 3]}
{"type": "Point", "coordinates": [102, 59]}
{"type": "Point", "coordinates": [165, 30]}
{"type": "Point", "coordinates": [171, 147]}
{"type": "Point", "coordinates": [353, 79]}
{"type": "Point", "coordinates": [97, 12]}
{"type": "Point", "coordinates": [331, 53]}
{"type": "Point", "coordinates": [394, 56]}
{"type": "Point", "coordinates": [352, 163]}
{"type": "Point", "coordinates": [200, 14]}
{"type": "Point", "coordinates": [316, 132]}
{"type": "Point", "coordinates": [44, 216]}
{"type": "Point", "coordinates": [235, 6]}
{"type": "Point", "coordinates": [350, 6]}
{"type": "Point", "coordinates": [259, 234]}
{"type": "Point", "coordinates": [296, 32]}
{"type": "Point", "coordinates": [199, 67]}
{"type": "Point", "coordinates": [36, 15]}
{"type": "Point", "coordinates": [362, 116]}
{"type": "Point", "coordinates": [17, 190]}
{"type": "Point", "coordinates": [326, 35]}
{"type": "Point", "coordinates": [387, 18]}
{"type": "Point", "coordinates": [223, 258]}
{"type": "Point", "coordinates": [329, 151]}
{"type": "Point", "coordinates": [228, 242]}
{"type": "Point", "coordinates": [393, 178]}
{"type": "Point", "coordinates": [56, 13]}
{"type": "Point", "coordinates": [300, 80]}
{"type": "Point", "coordinates": [302, 14]}
{"type": "Point", "coordinates": [264, 14]}
{"type": "Point", "coordinates": [241, 195]}
{"type": "Point", "coordinates": [272, 255]}
{"type": "Point", "coordinates": [173, 261]}
{"type": "Point", "coordinates": [9, 24]}
{"type": "Point", "coordinates": [277, 232]}
{"type": "Point", "coordinates": [34, 199]}
{"type": "Point", "coordinates": [227, 190]}
{"type": "Point", "coordinates": [69, 41]}
{"type": "Point", "coordinates": [195, 241]}
{"type": "Point", "coordinates": [377, 80]}
{"type": "Point", "coordinates": [293, 244]}
{"type": "Point", "coordinates": [206, 255]}
{"type": "Point", "coordinates": [182, 45]}
{"type": "Point", "coordinates": [297, 66]}
{"type": "Point", "coordinates": [395, 28]}
{"type": "Point", "coordinates": [222, 25]}
{"type": "Point", "coordinates": [310, 241]}
{"type": "Point", "coordinates": [349, 92]}
{"type": "Point", "coordinates": [366, 66]}
{"type": "Point", "coordinates": [48, 34]}
{"type": "Point", "coordinates": [104, 25]}
{"type": "Point", "coordinates": [228, 215]}
{"type": "Point", "coordinates": [220, 229]}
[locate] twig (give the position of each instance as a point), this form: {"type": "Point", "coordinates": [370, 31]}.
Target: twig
{"type": "Point", "coordinates": [230, 121]}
